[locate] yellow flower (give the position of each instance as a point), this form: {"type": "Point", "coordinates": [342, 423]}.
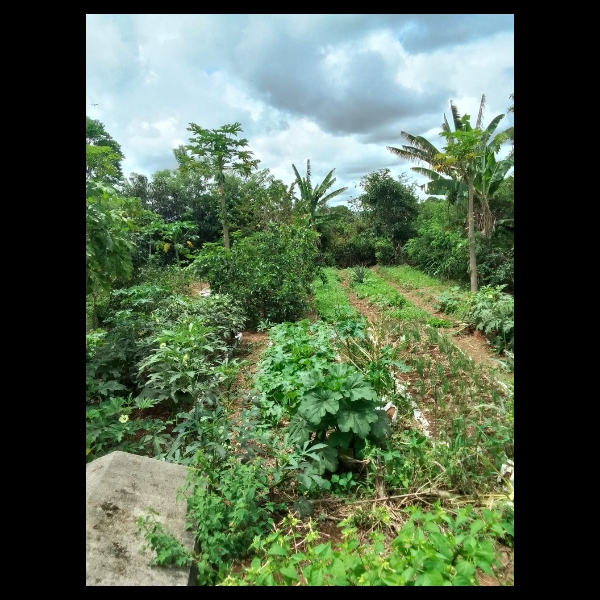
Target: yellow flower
{"type": "Point", "coordinates": [190, 245]}
{"type": "Point", "coordinates": [185, 357]}
{"type": "Point", "coordinates": [166, 247]}
{"type": "Point", "coordinates": [123, 419]}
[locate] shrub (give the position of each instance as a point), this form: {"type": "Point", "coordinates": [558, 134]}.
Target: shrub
{"type": "Point", "coordinates": [270, 273]}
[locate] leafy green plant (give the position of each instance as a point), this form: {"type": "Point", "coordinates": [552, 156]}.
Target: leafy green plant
{"type": "Point", "coordinates": [295, 347]}
{"type": "Point", "coordinates": [269, 272]}
{"type": "Point", "coordinates": [169, 550]}
{"type": "Point", "coordinates": [431, 548]}
{"type": "Point", "coordinates": [109, 427]}
{"type": "Point", "coordinates": [359, 273]}
{"type": "Point", "coordinates": [373, 346]}
{"type": "Point", "coordinates": [181, 367]}
{"type": "Point", "coordinates": [493, 313]}
{"type": "Point", "coordinates": [331, 301]}
{"type": "Point", "coordinates": [455, 301]}
{"type": "Point", "coordinates": [340, 409]}
{"type": "Point", "coordinates": [435, 322]}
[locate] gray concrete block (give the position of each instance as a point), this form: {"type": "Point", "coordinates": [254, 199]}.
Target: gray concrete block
{"type": "Point", "coordinates": [119, 488]}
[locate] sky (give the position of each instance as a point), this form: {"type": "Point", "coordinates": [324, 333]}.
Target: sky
{"type": "Point", "coordinates": [335, 89]}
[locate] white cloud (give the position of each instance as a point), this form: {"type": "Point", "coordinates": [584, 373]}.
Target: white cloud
{"type": "Point", "coordinates": [335, 89]}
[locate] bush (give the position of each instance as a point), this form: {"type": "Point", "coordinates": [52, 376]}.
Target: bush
{"type": "Point", "coordinates": [359, 249]}
{"type": "Point", "coordinates": [387, 254]}
{"type": "Point", "coordinates": [270, 273]}
{"type": "Point", "coordinates": [439, 253]}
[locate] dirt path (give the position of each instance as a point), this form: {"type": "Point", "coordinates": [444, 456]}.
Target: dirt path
{"type": "Point", "coordinates": [472, 343]}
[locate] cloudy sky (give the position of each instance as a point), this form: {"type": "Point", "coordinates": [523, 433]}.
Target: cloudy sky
{"type": "Point", "coordinates": [335, 89]}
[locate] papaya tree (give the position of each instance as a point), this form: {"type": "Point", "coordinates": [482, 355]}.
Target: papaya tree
{"type": "Point", "coordinates": [216, 152]}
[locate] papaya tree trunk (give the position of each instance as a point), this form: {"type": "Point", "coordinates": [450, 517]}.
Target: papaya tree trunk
{"type": "Point", "coordinates": [224, 218]}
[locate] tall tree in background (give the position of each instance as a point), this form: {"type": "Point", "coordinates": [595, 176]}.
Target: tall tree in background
{"type": "Point", "coordinates": [216, 152]}
{"type": "Point", "coordinates": [467, 164]}
{"type": "Point", "coordinates": [390, 206]}
{"type": "Point", "coordinates": [103, 154]}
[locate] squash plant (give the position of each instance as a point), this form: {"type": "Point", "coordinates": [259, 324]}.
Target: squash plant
{"type": "Point", "coordinates": [338, 408]}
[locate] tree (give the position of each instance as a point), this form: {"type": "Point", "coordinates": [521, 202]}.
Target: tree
{"type": "Point", "coordinates": [108, 244]}
{"type": "Point", "coordinates": [470, 164]}
{"type": "Point", "coordinates": [217, 151]}
{"type": "Point", "coordinates": [390, 206]}
{"type": "Point", "coordinates": [315, 198]}
{"type": "Point", "coordinates": [103, 154]}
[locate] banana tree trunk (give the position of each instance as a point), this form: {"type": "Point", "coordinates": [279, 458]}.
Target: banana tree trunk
{"type": "Point", "coordinates": [472, 258]}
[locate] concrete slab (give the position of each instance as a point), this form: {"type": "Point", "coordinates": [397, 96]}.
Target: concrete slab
{"type": "Point", "coordinates": [119, 488]}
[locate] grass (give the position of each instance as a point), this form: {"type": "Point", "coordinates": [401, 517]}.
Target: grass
{"type": "Point", "coordinates": [411, 279]}
{"type": "Point", "coordinates": [384, 296]}
{"type": "Point", "coordinates": [331, 300]}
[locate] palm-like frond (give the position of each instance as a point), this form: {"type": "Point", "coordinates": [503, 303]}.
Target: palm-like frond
{"type": "Point", "coordinates": [480, 113]}
{"type": "Point", "coordinates": [492, 126]}
{"type": "Point", "coordinates": [458, 124]}
{"type": "Point", "coordinates": [442, 186]}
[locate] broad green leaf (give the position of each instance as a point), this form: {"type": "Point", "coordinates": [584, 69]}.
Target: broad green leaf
{"type": "Point", "coordinates": [357, 388]}
{"type": "Point", "coordinates": [289, 572]}
{"type": "Point", "coordinates": [464, 568]}
{"type": "Point", "coordinates": [303, 507]}
{"type": "Point", "coordinates": [432, 527]}
{"type": "Point", "coordinates": [340, 439]}
{"type": "Point", "coordinates": [441, 544]}
{"type": "Point", "coordinates": [435, 578]}
{"type": "Point", "coordinates": [317, 403]}
{"type": "Point", "coordinates": [310, 379]}
{"type": "Point", "coordinates": [328, 460]}
{"type": "Point", "coordinates": [476, 526]}
{"type": "Point", "coordinates": [323, 550]}
{"type": "Point", "coordinates": [298, 430]}
{"type": "Point", "coordinates": [356, 417]}
{"type": "Point", "coordinates": [461, 580]}
{"type": "Point", "coordinates": [277, 550]}
{"type": "Point", "coordinates": [381, 428]}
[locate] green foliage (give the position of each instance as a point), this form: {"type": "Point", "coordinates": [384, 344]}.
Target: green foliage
{"type": "Point", "coordinates": [431, 548]}
{"type": "Point", "coordinates": [383, 295]}
{"type": "Point", "coordinates": [409, 278]}
{"type": "Point", "coordinates": [439, 252]}
{"type": "Point", "coordinates": [295, 348]}
{"type": "Point", "coordinates": [103, 154]}
{"type": "Point", "coordinates": [493, 312]}
{"type": "Point", "coordinates": [181, 367]}
{"type": "Point", "coordinates": [169, 550]}
{"type": "Point", "coordinates": [313, 198]}
{"type": "Point", "coordinates": [108, 245]}
{"type": "Point", "coordinates": [108, 427]}
{"type": "Point", "coordinates": [455, 301]}
{"type": "Point", "coordinates": [269, 272]}
{"type": "Point", "coordinates": [390, 208]}
{"type": "Point", "coordinates": [373, 347]}
{"type": "Point", "coordinates": [490, 310]}
{"type": "Point", "coordinates": [213, 152]}
{"type": "Point", "coordinates": [435, 322]}
{"type": "Point", "coordinates": [338, 408]}
{"type": "Point", "coordinates": [359, 273]}
{"type": "Point", "coordinates": [358, 249]}
{"type": "Point", "coordinates": [331, 301]}
{"type": "Point", "coordinates": [388, 254]}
